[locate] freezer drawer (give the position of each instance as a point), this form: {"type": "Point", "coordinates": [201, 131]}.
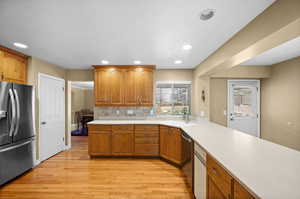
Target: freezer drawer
{"type": "Point", "coordinates": [15, 160]}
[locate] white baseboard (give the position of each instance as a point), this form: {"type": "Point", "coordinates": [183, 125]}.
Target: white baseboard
{"type": "Point", "coordinates": [36, 163]}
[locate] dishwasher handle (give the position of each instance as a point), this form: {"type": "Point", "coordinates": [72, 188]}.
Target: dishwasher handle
{"type": "Point", "coordinates": [186, 138]}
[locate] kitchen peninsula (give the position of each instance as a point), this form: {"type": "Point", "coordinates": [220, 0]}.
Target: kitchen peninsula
{"type": "Point", "coordinates": [238, 164]}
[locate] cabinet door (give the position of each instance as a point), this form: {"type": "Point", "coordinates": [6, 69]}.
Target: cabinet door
{"type": "Point", "coordinates": [130, 96]}
{"type": "Point", "coordinates": [175, 145]}
{"type": "Point", "coordinates": [116, 85]}
{"type": "Point", "coordinates": [144, 87]}
{"type": "Point", "coordinates": [212, 191]}
{"type": "Point", "coordinates": [14, 68]}
{"type": "Point", "coordinates": [100, 143]}
{"type": "Point", "coordinates": [170, 144]}
{"type": "Point", "coordinates": [164, 142]}
{"type": "Point", "coordinates": [122, 143]}
{"type": "Point", "coordinates": [102, 87]}
{"type": "Point", "coordinates": [240, 192]}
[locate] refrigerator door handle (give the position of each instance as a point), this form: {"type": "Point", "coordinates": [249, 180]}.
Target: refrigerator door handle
{"type": "Point", "coordinates": [18, 112]}
{"type": "Point", "coordinates": [13, 108]}
{"type": "Point", "coordinates": [16, 146]}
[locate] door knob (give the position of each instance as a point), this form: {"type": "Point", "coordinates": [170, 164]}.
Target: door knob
{"type": "Point", "coordinates": [43, 123]}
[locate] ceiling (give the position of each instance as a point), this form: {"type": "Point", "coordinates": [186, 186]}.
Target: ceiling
{"type": "Point", "coordinates": [286, 51]}
{"type": "Point", "coordinates": [83, 85]}
{"type": "Point", "coordinates": [77, 34]}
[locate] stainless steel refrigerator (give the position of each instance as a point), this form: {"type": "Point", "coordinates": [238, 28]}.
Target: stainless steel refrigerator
{"type": "Point", "coordinates": [17, 132]}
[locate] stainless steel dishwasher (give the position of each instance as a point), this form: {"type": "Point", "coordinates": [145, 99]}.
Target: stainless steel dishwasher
{"type": "Point", "coordinates": [199, 172]}
{"type": "Point", "coordinates": [187, 158]}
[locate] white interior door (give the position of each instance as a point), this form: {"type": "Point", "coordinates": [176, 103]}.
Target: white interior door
{"type": "Point", "coordinates": [52, 115]}
{"type": "Point", "coordinates": [243, 106]}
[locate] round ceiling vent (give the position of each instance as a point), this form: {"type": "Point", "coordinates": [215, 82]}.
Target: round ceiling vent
{"type": "Point", "coordinates": [207, 14]}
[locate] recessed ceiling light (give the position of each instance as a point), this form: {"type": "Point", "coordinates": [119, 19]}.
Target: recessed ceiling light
{"type": "Point", "coordinates": [178, 62]}
{"type": "Point", "coordinates": [187, 47]}
{"type": "Point", "coordinates": [19, 45]}
{"type": "Point", "coordinates": [105, 62]}
{"type": "Point", "coordinates": [207, 14]}
{"type": "Point", "coordinates": [137, 62]}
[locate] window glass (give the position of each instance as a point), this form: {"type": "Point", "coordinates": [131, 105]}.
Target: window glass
{"type": "Point", "coordinates": [243, 100]}
{"type": "Point", "coordinates": [173, 99]}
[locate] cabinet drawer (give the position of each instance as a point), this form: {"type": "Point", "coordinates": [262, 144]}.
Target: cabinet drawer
{"type": "Point", "coordinates": [122, 132]}
{"type": "Point", "coordinates": [97, 127]}
{"type": "Point", "coordinates": [146, 140]}
{"type": "Point", "coordinates": [122, 127]}
{"type": "Point", "coordinates": [163, 129]}
{"type": "Point", "coordinates": [99, 132]}
{"type": "Point", "coordinates": [146, 134]}
{"type": "Point", "coordinates": [220, 177]}
{"type": "Point", "coordinates": [146, 127]}
{"type": "Point", "coordinates": [146, 149]}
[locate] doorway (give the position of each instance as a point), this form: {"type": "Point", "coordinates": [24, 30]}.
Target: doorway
{"type": "Point", "coordinates": [82, 106]}
{"type": "Point", "coordinates": [244, 106]}
{"type": "Point", "coordinates": [51, 115]}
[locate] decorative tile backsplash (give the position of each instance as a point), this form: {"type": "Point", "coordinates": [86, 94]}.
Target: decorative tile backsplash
{"type": "Point", "coordinates": [123, 112]}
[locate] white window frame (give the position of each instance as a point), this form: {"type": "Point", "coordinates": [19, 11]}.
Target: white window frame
{"type": "Point", "coordinates": [173, 83]}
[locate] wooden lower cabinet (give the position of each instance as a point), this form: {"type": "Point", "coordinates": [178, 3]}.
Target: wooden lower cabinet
{"type": "Point", "coordinates": [161, 141]}
{"type": "Point", "coordinates": [221, 185]}
{"type": "Point", "coordinates": [122, 143]}
{"type": "Point", "coordinates": [171, 144]}
{"type": "Point", "coordinates": [240, 192]}
{"type": "Point", "coordinates": [100, 143]}
{"type": "Point", "coordinates": [146, 140]}
{"type": "Point", "coordinates": [213, 191]}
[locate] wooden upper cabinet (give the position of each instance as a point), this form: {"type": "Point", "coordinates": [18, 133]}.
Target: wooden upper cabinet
{"type": "Point", "coordinates": [116, 79]}
{"type": "Point", "coordinates": [124, 85]}
{"type": "Point", "coordinates": [13, 66]}
{"type": "Point", "coordinates": [130, 97]}
{"type": "Point", "coordinates": [144, 87]}
{"type": "Point", "coordinates": [102, 90]}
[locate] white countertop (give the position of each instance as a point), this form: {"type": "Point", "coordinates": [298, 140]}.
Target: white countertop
{"type": "Point", "coordinates": [269, 170]}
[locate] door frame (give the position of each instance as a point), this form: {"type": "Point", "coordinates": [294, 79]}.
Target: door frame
{"type": "Point", "coordinates": [41, 75]}
{"type": "Point", "coordinates": [229, 81]}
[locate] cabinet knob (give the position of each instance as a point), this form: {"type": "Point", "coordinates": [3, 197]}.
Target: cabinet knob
{"type": "Point", "coordinates": [215, 171]}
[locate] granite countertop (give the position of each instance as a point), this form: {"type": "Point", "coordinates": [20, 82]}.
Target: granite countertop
{"type": "Point", "coordinates": [269, 170]}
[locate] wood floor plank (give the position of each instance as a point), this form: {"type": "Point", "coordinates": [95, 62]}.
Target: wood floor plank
{"type": "Point", "coordinates": [73, 174]}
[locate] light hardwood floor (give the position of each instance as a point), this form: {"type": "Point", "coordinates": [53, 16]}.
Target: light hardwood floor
{"type": "Point", "coordinates": [73, 175]}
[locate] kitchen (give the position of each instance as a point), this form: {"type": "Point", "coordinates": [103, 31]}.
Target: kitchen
{"type": "Point", "coordinates": [176, 119]}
